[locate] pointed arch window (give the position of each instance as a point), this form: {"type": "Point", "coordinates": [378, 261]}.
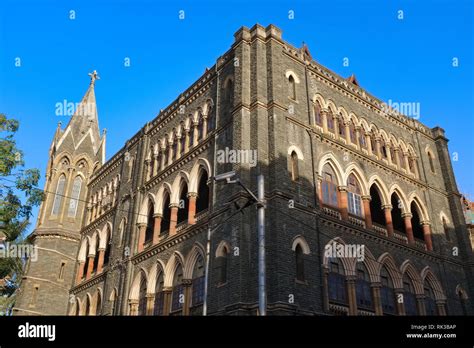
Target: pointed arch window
{"type": "Point", "coordinates": [222, 262]}
{"type": "Point", "coordinates": [183, 207]}
{"type": "Point", "coordinates": [431, 160]}
{"type": "Point", "coordinates": [202, 201]}
{"type": "Point", "coordinates": [182, 141]}
{"type": "Point", "coordinates": [363, 289]}
{"type": "Point", "coordinates": [98, 306]}
{"type": "Point", "coordinates": [165, 220]}
{"type": "Point", "coordinates": [352, 133]}
{"type": "Point", "coordinates": [362, 142]}
{"type": "Point", "coordinates": [387, 293]}
{"type": "Point", "coordinates": [107, 249]}
{"type": "Point", "coordinates": [445, 228]}
{"type": "Point", "coordinates": [401, 160]}
{"type": "Point", "coordinates": [430, 303]}
{"type": "Point", "coordinates": [292, 87]}
{"type": "Point", "coordinates": [294, 166]}
{"type": "Point", "coordinates": [58, 197]}
{"type": "Point", "coordinates": [142, 297]}
{"type": "Point", "coordinates": [210, 120]}
{"type": "Point", "coordinates": [337, 282]}
{"type": "Point", "coordinates": [150, 221]}
{"type": "Point", "coordinates": [317, 114]}
{"type": "Point", "coordinates": [75, 194]}
{"type": "Point", "coordinates": [354, 196]}
{"type": "Point", "coordinates": [329, 186]}
{"type": "Point", "coordinates": [177, 299]}
{"type": "Point", "coordinates": [198, 282]}
{"type": "Point", "coordinates": [415, 222]}
{"type": "Point", "coordinates": [409, 297]}
{"type": "Point", "coordinates": [159, 295]}
{"type": "Point", "coordinates": [376, 212]}
{"type": "Point", "coordinates": [341, 127]}
{"type": "Point", "coordinates": [397, 220]}
{"type": "Point", "coordinates": [330, 119]}
{"type": "Point", "coordinates": [299, 258]}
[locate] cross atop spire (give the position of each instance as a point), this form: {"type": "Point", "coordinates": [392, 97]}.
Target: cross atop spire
{"type": "Point", "coordinates": [94, 76]}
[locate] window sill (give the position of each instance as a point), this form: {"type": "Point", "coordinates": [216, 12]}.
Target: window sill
{"type": "Point", "coordinates": [301, 282]}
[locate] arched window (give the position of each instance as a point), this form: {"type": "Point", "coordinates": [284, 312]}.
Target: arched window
{"type": "Point", "coordinates": [107, 249]}
{"type": "Point", "coordinates": [291, 87]}
{"type": "Point", "coordinates": [202, 201]}
{"type": "Point", "coordinates": [430, 303]}
{"type": "Point", "coordinates": [78, 308]}
{"type": "Point", "coordinates": [299, 258]}
{"type": "Point", "coordinates": [383, 148]}
{"type": "Point", "coordinates": [337, 282]}
{"type": "Point", "coordinates": [182, 141]}
{"type": "Point", "coordinates": [294, 166]}
{"type": "Point", "coordinates": [317, 114]}
{"type": "Point", "coordinates": [373, 144]}
{"type": "Point", "coordinates": [198, 283]}
{"type": "Point", "coordinates": [222, 264]}
{"type": "Point", "coordinates": [376, 212]}
{"type": "Point", "coordinates": [96, 256]}
{"type": "Point", "coordinates": [165, 219]}
{"type": "Point", "coordinates": [354, 196]}
{"type": "Point", "coordinates": [330, 119]}
{"type": "Point", "coordinates": [142, 297]}
{"type": "Point", "coordinates": [363, 290]}
{"type": "Point", "coordinates": [113, 302]}
{"type": "Point", "coordinates": [397, 220]}
{"type": "Point", "coordinates": [210, 120]}
{"type": "Point", "coordinates": [177, 293]}
{"type": "Point", "coordinates": [75, 194]}
{"type": "Point", "coordinates": [392, 154]}
{"type": "Point", "coordinates": [342, 127]}
{"type": "Point", "coordinates": [409, 297]}
{"type": "Point", "coordinates": [352, 133]}
{"type": "Point", "coordinates": [58, 197]}
{"type": "Point", "coordinates": [166, 153]}
{"type": "Point", "coordinates": [401, 160]}
{"type": "Point", "coordinates": [329, 186]}
{"type": "Point", "coordinates": [87, 310]}
{"type": "Point", "coordinates": [183, 207]}
{"type": "Point", "coordinates": [415, 222]}
{"type": "Point", "coordinates": [362, 142]}
{"type": "Point", "coordinates": [175, 149]}
{"type": "Point", "coordinates": [150, 221]}
{"type": "Point", "coordinates": [200, 128]}
{"type": "Point", "coordinates": [159, 295]}
{"type": "Point", "coordinates": [191, 135]}
{"type": "Point", "coordinates": [431, 159]}
{"type": "Point", "coordinates": [86, 262]}
{"type": "Point", "coordinates": [98, 306]}
{"type": "Point", "coordinates": [387, 294]}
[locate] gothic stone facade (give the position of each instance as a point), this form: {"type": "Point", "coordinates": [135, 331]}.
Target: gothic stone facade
{"type": "Point", "coordinates": [339, 168]}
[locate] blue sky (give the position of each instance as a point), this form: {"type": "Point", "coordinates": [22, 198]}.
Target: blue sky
{"type": "Point", "coordinates": [408, 60]}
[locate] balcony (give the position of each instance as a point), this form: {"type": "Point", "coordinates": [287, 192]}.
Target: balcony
{"type": "Point", "coordinates": [332, 212]}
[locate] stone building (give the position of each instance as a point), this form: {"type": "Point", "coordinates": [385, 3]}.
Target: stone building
{"type": "Point", "coordinates": [342, 173]}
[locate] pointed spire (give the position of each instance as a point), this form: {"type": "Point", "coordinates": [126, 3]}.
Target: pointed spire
{"type": "Point", "coordinates": [85, 119]}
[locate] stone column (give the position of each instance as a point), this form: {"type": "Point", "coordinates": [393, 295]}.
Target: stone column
{"type": "Point", "coordinates": [415, 167]}
{"type": "Point", "coordinates": [351, 294]}
{"type": "Point", "coordinates": [186, 140]}
{"type": "Point", "coordinates": [420, 304]}
{"type": "Point", "coordinates": [368, 141]}
{"type": "Point", "coordinates": [441, 306]}
{"type": "Point", "coordinates": [204, 126]}
{"type": "Point", "coordinates": [178, 147]}
{"type": "Point", "coordinates": [324, 118]}
{"type": "Point", "coordinates": [389, 154]}
{"type": "Point", "coordinates": [348, 132]}
{"type": "Point", "coordinates": [377, 148]}
{"type": "Point", "coordinates": [80, 271]}
{"type": "Point", "coordinates": [100, 264]}
{"type": "Point", "coordinates": [376, 298]}
{"type": "Point", "coordinates": [400, 305]}
{"type": "Point", "coordinates": [155, 165]}
{"type": "Point", "coordinates": [150, 303]}
{"type": "Point", "coordinates": [90, 266]}
{"type": "Point", "coordinates": [427, 235]}
{"type": "Point", "coordinates": [167, 294]}
{"type": "Point", "coordinates": [367, 214]}
{"type": "Point", "coordinates": [397, 158]}
{"type": "Point", "coordinates": [387, 209]}
{"type": "Point", "coordinates": [133, 307]}
{"type": "Point", "coordinates": [170, 153]}
{"type": "Point", "coordinates": [187, 291]}
{"type": "Point", "coordinates": [141, 236]}
{"type": "Point", "coordinates": [192, 208]}
{"type": "Point", "coordinates": [408, 227]}
{"type": "Point", "coordinates": [357, 134]}
{"type": "Point", "coordinates": [173, 219]}
{"type": "Point", "coordinates": [196, 133]}
{"type": "Point", "coordinates": [407, 164]}
{"type": "Point", "coordinates": [343, 202]}
{"type": "Point", "coordinates": [156, 228]}
{"type": "Point", "coordinates": [163, 158]}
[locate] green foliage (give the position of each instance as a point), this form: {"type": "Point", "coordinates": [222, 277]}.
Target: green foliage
{"type": "Point", "coordinates": [18, 196]}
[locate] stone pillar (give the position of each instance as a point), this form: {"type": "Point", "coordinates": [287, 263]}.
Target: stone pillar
{"type": "Point", "coordinates": [351, 294]}
{"type": "Point", "coordinates": [343, 202]}
{"type": "Point", "coordinates": [178, 147]}
{"type": "Point", "coordinates": [100, 264]}
{"type": "Point", "coordinates": [369, 143]}
{"type": "Point", "coordinates": [80, 271]}
{"type": "Point", "coordinates": [173, 219]}
{"type": "Point", "coordinates": [163, 158]}
{"type": "Point", "coordinates": [187, 291]}
{"type": "Point", "coordinates": [407, 164]}
{"type": "Point", "coordinates": [387, 209]}
{"type": "Point", "coordinates": [141, 236]}
{"type": "Point", "coordinates": [133, 304]}
{"type": "Point", "coordinates": [420, 304]}
{"type": "Point", "coordinates": [170, 153]}
{"type": "Point", "coordinates": [377, 148]}
{"type": "Point", "coordinates": [376, 298]}
{"type": "Point", "coordinates": [367, 213]}
{"type": "Point", "coordinates": [90, 266]}
{"type": "Point", "coordinates": [400, 304]}
{"type": "Point", "coordinates": [192, 208]}
{"type": "Point", "coordinates": [348, 132]}
{"type": "Point", "coordinates": [325, 290]}
{"type": "Point", "coordinates": [196, 133]}
{"type": "Point", "coordinates": [204, 126]}
{"type": "Point", "coordinates": [357, 134]}
{"type": "Point", "coordinates": [389, 154]}
{"type": "Point", "coordinates": [156, 228]}
{"type": "Point", "coordinates": [150, 304]}
{"type": "Point", "coordinates": [408, 228]}
{"type": "Point", "coordinates": [148, 169]}
{"type": "Point", "coordinates": [167, 294]}
{"type": "Point", "coordinates": [415, 167]}
{"type": "Point", "coordinates": [441, 306]}
{"type": "Point", "coordinates": [427, 235]}
{"type": "Point", "coordinates": [397, 158]}
{"type": "Point", "coordinates": [324, 118]}
{"type": "Point", "coordinates": [155, 164]}
{"type": "Point", "coordinates": [186, 140]}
